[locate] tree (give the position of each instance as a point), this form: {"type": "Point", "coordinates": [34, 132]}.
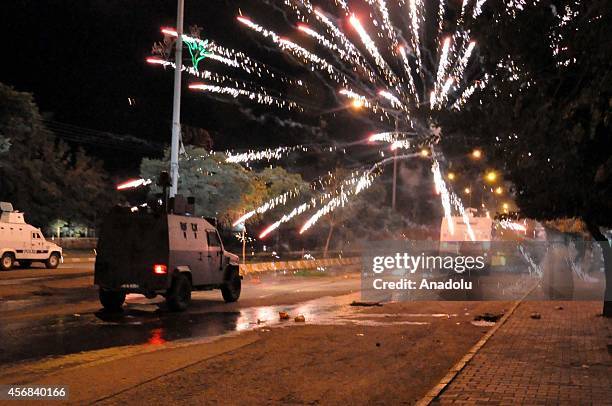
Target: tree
{"type": "Point", "coordinates": [41, 175]}
{"type": "Point", "coordinates": [222, 189]}
{"type": "Point", "coordinates": [545, 116]}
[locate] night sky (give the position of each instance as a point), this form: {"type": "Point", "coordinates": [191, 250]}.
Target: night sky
{"type": "Point", "coordinates": [84, 60]}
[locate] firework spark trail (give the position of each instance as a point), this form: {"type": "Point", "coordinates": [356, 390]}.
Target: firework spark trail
{"type": "Point", "coordinates": [261, 98]}
{"type": "Point", "coordinates": [324, 41]}
{"type": "Point", "coordinates": [260, 94]}
{"type": "Point", "coordinates": [269, 205]}
{"type": "Point", "coordinates": [266, 154]}
{"type": "Point", "coordinates": [389, 136]}
{"type": "Point", "coordinates": [469, 91]}
{"type": "Point", "coordinates": [386, 20]}
{"type": "Point", "coordinates": [441, 12]}
{"type": "Point", "coordinates": [408, 70]}
{"type": "Point", "coordinates": [442, 65]}
{"type": "Point", "coordinates": [359, 184]}
{"type": "Point", "coordinates": [449, 198]}
{"type": "Point", "coordinates": [478, 7]}
{"type": "Point", "coordinates": [357, 57]}
{"type": "Point", "coordinates": [373, 50]}
{"type": "Point", "coordinates": [415, 25]}
{"type": "Point", "coordinates": [444, 196]}
{"type": "Point", "coordinates": [297, 51]}
{"type": "Point", "coordinates": [462, 64]}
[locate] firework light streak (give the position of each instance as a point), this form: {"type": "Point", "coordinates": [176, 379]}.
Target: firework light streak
{"type": "Point", "coordinates": [444, 196]}
{"type": "Point", "coordinates": [266, 154]}
{"type": "Point", "coordinates": [360, 184]}
{"type": "Point", "coordinates": [134, 183]}
{"type": "Point", "coordinates": [408, 70]}
{"type": "Point", "coordinates": [447, 197]}
{"type": "Point", "coordinates": [296, 50]}
{"type": "Point", "coordinates": [371, 47]}
{"type": "Point", "coordinates": [260, 98]}
{"type": "Point", "coordinates": [270, 204]}
{"type": "Point", "coordinates": [415, 26]}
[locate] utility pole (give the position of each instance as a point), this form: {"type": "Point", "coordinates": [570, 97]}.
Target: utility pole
{"type": "Point", "coordinates": [176, 106]}
{"type": "Point", "coordinates": [394, 192]}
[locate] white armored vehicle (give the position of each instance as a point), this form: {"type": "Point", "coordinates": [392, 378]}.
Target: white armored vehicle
{"type": "Point", "coordinates": [23, 243]}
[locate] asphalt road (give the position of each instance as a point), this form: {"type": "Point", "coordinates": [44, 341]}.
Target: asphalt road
{"type": "Point", "coordinates": [56, 312]}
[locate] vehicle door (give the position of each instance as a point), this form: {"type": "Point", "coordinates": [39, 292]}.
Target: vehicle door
{"type": "Point", "coordinates": [215, 255]}
{"type": "Point", "coordinates": [36, 249]}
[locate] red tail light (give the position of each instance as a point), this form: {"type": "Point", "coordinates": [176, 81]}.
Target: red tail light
{"type": "Point", "coordinates": [160, 269]}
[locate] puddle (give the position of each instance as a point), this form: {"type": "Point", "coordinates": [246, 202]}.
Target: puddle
{"type": "Point", "coordinates": [144, 322]}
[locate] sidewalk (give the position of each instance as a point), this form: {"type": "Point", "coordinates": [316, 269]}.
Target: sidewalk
{"type": "Point", "coordinates": [563, 358]}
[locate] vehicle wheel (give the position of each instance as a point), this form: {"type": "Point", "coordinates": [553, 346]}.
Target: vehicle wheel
{"type": "Point", "coordinates": [7, 261]}
{"type": "Point", "coordinates": [179, 294]}
{"type": "Point", "coordinates": [231, 288]}
{"type": "Point", "coordinates": [111, 300]}
{"type": "Point", "coordinates": [23, 263]}
{"type": "Point", "coordinates": [53, 261]}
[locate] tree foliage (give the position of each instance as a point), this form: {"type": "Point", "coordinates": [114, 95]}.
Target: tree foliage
{"type": "Point", "coordinates": [223, 190]}
{"type": "Point", "coordinates": [545, 116]}
{"type": "Point", "coordinates": [42, 176]}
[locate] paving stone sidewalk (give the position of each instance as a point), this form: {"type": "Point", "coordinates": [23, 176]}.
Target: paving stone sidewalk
{"type": "Point", "coordinates": [565, 357]}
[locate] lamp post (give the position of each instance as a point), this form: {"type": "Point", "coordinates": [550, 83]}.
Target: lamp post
{"type": "Point", "coordinates": [394, 192]}
{"type": "Point", "coordinates": [176, 106]}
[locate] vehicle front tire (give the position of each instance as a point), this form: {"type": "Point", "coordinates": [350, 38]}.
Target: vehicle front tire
{"type": "Point", "coordinates": [7, 261]}
{"type": "Point", "coordinates": [111, 300]}
{"type": "Point", "coordinates": [53, 261]}
{"type": "Point", "coordinates": [231, 288]}
{"type": "Point", "coordinates": [178, 296]}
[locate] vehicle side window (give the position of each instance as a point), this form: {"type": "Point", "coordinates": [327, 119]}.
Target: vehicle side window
{"type": "Point", "coordinates": [213, 239]}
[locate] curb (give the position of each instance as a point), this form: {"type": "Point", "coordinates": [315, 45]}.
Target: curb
{"type": "Point", "coordinates": [246, 269]}
{"type": "Point", "coordinates": [78, 260]}
{"type": "Point", "coordinates": [458, 367]}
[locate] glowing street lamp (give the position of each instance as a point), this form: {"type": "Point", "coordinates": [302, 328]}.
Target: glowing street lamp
{"type": "Point", "coordinates": [499, 190]}
{"type": "Point", "coordinates": [467, 191]}
{"type": "Point", "coordinates": [451, 176]}
{"type": "Point", "coordinates": [424, 152]}
{"type": "Point", "coordinates": [357, 104]}
{"type": "Point", "coordinates": [476, 154]}
{"type": "Point", "coordinates": [491, 176]}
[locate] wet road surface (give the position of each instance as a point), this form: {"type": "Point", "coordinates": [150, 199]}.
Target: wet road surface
{"type": "Point", "coordinates": [148, 322]}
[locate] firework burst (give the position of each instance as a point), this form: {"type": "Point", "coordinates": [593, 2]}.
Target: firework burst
{"type": "Point", "coordinates": [381, 64]}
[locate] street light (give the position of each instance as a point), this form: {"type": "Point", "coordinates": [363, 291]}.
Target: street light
{"type": "Point", "coordinates": [467, 191]}
{"type": "Point", "coordinates": [499, 190]}
{"type": "Point", "coordinates": [451, 176]}
{"type": "Point", "coordinates": [476, 154]}
{"type": "Point", "coordinates": [491, 176]}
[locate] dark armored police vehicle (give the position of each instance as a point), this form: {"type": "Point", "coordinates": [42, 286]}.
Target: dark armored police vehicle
{"type": "Point", "coordinates": [162, 252]}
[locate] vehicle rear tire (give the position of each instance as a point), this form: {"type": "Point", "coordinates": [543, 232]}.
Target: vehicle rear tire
{"type": "Point", "coordinates": [53, 261]}
{"type": "Point", "coordinates": [23, 263]}
{"type": "Point", "coordinates": [7, 261]}
{"type": "Point", "coordinates": [112, 300]}
{"type": "Point", "coordinates": [178, 296]}
{"type": "Point", "coordinates": [231, 288]}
